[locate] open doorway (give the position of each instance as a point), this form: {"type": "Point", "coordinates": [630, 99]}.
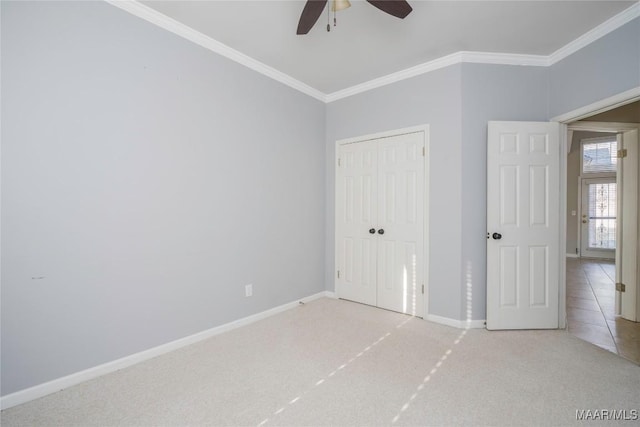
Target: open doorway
{"type": "Point", "coordinates": [595, 217]}
{"type": "Point", "coordinates": [592, 195]}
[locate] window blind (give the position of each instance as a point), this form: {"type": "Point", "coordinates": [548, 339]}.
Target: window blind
{"type": "Point", "coordinates": [599, 157]}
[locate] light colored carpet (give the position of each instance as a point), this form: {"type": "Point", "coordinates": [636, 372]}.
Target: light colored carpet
{"type": "Point", "coordinates": [333, 362]}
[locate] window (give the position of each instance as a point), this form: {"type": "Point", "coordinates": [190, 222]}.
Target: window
{"type": "Point", "coordinates": [602, 215]}
{"type": "Point", "coordinates": [599, 155]}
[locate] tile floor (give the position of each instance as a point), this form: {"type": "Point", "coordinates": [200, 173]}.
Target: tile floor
{"type": "Point", "coordinates": [591, 309]}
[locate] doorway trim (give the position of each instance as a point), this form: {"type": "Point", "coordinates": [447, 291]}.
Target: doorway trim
{"type": "Point", "coordinates": [597, 107]}
{"type": "Point", "coordinates": [379, 135]}
{"type": "Point", "coordinates": [606, 104]}
{"type": "Point", "coordinates": [603, 127]}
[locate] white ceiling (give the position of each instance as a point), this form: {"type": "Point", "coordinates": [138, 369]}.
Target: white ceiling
{"type": "Point", "coordinates": [368, 43]}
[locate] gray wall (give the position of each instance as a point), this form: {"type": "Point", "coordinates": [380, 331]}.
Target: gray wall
{"type": "Point", "coordinates": [146, 180]}
{"type": "Point", "coordinates": [457, 102]}
{"type": "Point", "coordinates": [126, 148]}
{"type": "Point", "coordinates": [606, 67]}
{"type": "Point", "coordinates": [433, 99]}
{"type": "Point", "coordinates": [489, 92]}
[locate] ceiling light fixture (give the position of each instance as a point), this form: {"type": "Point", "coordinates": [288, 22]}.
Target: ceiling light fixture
{"type": "Point", "coordinates": [336, 5]}
{"type": "Point", "coordinates": [340, 5]}
{"type": "Point", "coordinates": [313, 9]}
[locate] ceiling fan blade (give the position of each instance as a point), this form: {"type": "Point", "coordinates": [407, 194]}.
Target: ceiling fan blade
{"type": "Point", "coordinates": [398, 8]}
{"type": "Point", "coordinates": [310, 14]}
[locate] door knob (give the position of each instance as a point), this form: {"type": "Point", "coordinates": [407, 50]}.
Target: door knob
{"type": "Point", "coordinates": [381, 231]}
{"type": "Point", "coordinates": [584, 221]}
{"type": "Point", "coordinates": [372, 230]}
{"type": "Point", "coordinates": [496, 236]}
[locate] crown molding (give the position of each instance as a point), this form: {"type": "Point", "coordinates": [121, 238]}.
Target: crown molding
{"type": "Point", "coordinates": [445, 61]}
{"type": "Point", "coordinates": [601, 30]}
{"type": "Point", "coordinates": [151, 15]}
{"type": "Point", "coordinates": [436, 64]}
{"type": "Point", "coordinates": [504, 59]}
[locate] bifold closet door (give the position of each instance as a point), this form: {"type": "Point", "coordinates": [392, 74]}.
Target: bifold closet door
{"type": "Point", "coordinates": [356, 216]}
{"type": "Point", "coordinates": [401, 216]}
{"type": "Point", "coordinates": [380, 222]}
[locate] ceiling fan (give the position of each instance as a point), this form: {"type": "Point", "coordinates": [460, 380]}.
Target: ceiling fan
{"type": "Point", "coordinates": [313, 9]}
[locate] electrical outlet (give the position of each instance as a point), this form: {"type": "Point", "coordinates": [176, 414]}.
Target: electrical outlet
{"type": "Point", "coordinates": [248, 290]}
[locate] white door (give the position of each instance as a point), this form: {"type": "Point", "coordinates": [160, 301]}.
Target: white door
{"type": "Point", "coordinates": [599, 218]}
{"type": "Point", "coordinates": [400, 218]}
{"type": "Point", "coordinates": [627, 271]}
{"type": "Point", "coordinates": [380, 222]}
{"type": "Point", "coordinates": [356, 221]}
{"type": "Point", "coordinates": [523, 239]}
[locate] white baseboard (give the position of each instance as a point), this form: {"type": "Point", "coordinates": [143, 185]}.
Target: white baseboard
{"type": "Point", "coordinates": [58, 384]}
{"type": "Point", "coordinates": [572, 256]}
{"type": "Point", "coordinates": [460, 324]}
{"type": "Point", "coordinates": [330, 294]}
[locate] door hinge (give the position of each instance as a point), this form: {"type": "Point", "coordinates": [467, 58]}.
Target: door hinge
{"type": "Point", "coordinates": [620, 287]}
{"type": "Point", "coordinates": [423, 152]}
{"type": "Point", "coordinates": [622, 153]}
{"type": "Point", "coordinates": [423, 288]}
{"type": "Point", "coordinates": [338, 161]}
{"type": "Point", "coordinates": [338, 274]}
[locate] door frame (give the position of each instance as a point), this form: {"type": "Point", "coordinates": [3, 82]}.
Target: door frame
{"type": "Point", "coordinates": [604, 127]}
{"type": "Point", "coordinates": [566, 131]}
{"type": "Point", "coordinates": [379, 135]}
{"type": "Point", "coordinates": [580, 178]}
